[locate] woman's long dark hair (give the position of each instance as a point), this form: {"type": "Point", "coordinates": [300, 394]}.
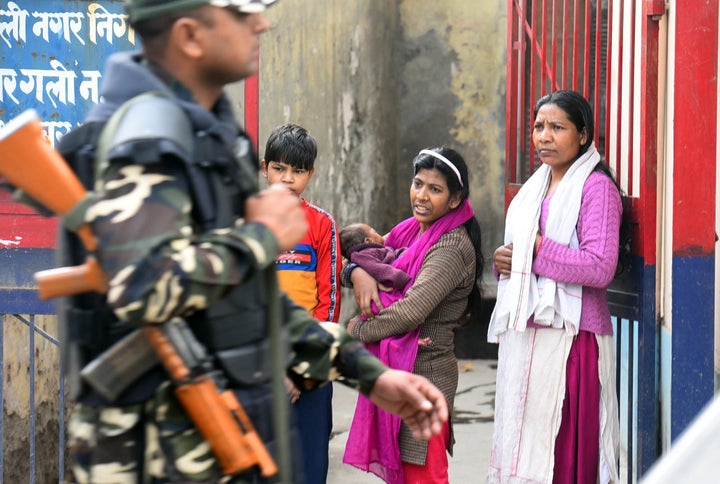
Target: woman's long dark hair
{"type": "Point", "coordinates": [580, 113]}
{"type": "Point", "coordinates": [424, 161]}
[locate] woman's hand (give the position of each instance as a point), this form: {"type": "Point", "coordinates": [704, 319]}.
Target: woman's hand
{"type": "Point", "coordinates": [502, 258]}
{"type": "Point", "coordinates": [366, 291]}
{"type": "Point", "coordinates": [350, 326]}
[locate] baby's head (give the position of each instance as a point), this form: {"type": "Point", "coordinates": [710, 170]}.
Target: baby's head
{"type": "Point", "coordinates": [356, 234]}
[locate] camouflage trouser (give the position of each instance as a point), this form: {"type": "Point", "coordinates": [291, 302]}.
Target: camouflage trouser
{"type": "Point", "coordinates": [153, 442]}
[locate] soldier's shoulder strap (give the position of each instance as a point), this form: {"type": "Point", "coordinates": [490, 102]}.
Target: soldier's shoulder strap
{"type": "Point", "coordinates": [143, 130]}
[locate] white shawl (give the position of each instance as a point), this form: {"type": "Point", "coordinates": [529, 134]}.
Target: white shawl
{"type": "Point", "coordinates": [556, 304]}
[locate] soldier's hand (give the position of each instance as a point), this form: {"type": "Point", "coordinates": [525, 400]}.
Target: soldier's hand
{"type": "Point", "coordinates": [280, 211]}
{"type": "Point", "coordinates": [412, 397]}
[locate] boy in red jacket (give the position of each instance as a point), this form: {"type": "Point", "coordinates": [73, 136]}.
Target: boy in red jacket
{"type": "Point", "coordinates": [310, 275]}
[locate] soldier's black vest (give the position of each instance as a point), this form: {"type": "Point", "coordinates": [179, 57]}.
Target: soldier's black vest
{"type": "Point", "coordinates": [221, 178]}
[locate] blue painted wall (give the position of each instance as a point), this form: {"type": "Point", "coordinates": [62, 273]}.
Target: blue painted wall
{"type": "Point", "coordinates": [693, 327]}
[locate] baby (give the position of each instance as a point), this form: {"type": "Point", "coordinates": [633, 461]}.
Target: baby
{"type": "Point", "coordinates": [355, 235]}
{"type": "Point", "coordinates": [362, 245]}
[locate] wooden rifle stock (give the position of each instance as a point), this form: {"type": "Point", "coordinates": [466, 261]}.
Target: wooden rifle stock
{"type": "Point", "coordinates": [66, 281]}
{"type": "Point", "coordinates": [28, 162]}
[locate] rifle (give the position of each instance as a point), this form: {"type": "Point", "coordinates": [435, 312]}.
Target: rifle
{"type": "Point", "coordinates": [28, 162]}
{"type": "Point", "coordinates": [31, 164]}
{"type": "Point", "coordinates": [237, 449]}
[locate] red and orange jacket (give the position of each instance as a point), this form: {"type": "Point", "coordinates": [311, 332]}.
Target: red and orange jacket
{"type": "Point", "coordinates": [310, 273]}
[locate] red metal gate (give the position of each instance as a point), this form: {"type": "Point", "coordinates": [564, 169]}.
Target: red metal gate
{"type": "Point", "coordinates": [608, 51]}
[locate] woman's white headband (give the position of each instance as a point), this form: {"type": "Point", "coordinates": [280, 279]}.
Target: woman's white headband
{"type": "Point", "coordinates": [444, 160]}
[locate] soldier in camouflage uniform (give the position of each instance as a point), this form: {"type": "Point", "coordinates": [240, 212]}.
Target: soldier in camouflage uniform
{"type": "Point", "coordinates": [184, 234]}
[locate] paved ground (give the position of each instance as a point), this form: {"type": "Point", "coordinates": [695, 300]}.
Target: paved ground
{"type": "Point", "coordinates": [473, 427]}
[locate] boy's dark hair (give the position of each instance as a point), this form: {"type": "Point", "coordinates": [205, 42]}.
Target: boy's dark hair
{"type": "Point", "coordinates": [293, 145]}
{"type": "Point", "coordinates": [351, 236]}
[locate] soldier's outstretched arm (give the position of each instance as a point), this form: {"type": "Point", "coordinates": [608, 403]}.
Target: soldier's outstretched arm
{"type": "Point", "coordinates": [414, 399]}
{"type": "Point", "coordinates": [325, 351]}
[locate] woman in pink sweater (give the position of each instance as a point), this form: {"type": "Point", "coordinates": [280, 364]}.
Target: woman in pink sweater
{"type": "Point", "coordinates": [556, 411]}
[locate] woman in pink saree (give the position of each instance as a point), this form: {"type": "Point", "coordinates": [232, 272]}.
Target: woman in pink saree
{"type": "Point", "coordinates": [444, 262]}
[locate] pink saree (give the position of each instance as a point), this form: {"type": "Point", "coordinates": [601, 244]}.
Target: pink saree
{"type": "Point", "coordinates": [372, 444]}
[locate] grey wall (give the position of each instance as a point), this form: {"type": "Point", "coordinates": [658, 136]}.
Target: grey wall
{"type": "Point", "coordinates": [375, 81]}
{"type": "Point", "coordinates": [452, 91]}
{"type": "Point", "coordinates": [331, 67]}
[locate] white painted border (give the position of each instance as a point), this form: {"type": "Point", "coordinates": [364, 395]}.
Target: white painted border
{"type": "Point", "coordinates": [638, 96]}
{"type": "Point", "coordinates": [666, 195]}
{"type": "Point", "coordinates": [613, 92]}
{"type": "Point", "coordinates": [626, 85]}
{"type": "Point", "coordinates": [666, 164]}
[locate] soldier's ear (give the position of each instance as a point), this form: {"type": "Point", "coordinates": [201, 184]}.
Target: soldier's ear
{"type": "Point", "coordinates": [188, 35]}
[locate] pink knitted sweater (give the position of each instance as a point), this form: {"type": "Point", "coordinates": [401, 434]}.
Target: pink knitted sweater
{"type": "Point", "coordinates": [593, 265]}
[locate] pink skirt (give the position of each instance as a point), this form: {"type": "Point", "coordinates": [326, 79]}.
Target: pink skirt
{"type": "Point", "coordinates": [577, 446]}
